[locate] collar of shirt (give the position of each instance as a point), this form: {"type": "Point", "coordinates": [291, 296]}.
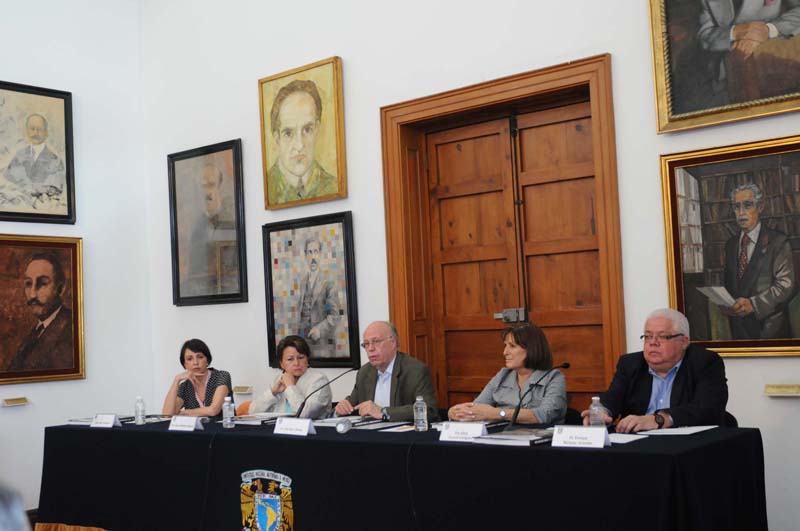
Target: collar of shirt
{"type": "Point", "coordinates": [661, 390]}
{"type": "Point", "coordinates": [389, 369]}
{"type": "Point", "coordinates": [37, 150]}
{"type": "Point", "coordinates": [753, 235]}
{"type": "Point", "coordinates": [52, 317]}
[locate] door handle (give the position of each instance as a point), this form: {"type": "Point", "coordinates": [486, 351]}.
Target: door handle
{"type": "Point", "coordinates": [512, 315]}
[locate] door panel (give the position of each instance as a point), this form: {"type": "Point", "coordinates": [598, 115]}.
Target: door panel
{"type": "Point", "coordinates": [474, 251]}
{"type": "Point", "coordinates": [560, 244]}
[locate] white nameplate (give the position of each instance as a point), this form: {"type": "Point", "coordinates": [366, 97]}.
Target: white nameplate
{"type": "Point", "coordinates": [580, 437]}
{"type": "Point", "coordinates": [105, 420]}
{"type": "Point", "coordinates": [294, 426]}
{"type": "Point", "coordinates": [185, 423]}
{"type": "Point", "coordinates": [461, 431]}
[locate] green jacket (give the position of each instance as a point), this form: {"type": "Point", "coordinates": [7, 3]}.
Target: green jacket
{"type": "Point", "coordinates": [410, 378]}
{"type": "Point", "coordinates": [320, 183]}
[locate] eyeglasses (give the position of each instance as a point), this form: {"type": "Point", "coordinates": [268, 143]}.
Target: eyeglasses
{"type": "Point", "coordinates": [373, 342]}
{"type": "Point", "coordinates": [648, 338]}
{"type": "Point", "coordinates": [744, 205]}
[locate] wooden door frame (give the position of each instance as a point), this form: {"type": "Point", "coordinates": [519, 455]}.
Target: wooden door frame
{"type": "Point", "coordinates": [404, 176]}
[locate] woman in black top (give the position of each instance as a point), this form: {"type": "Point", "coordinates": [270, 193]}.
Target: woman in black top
{"type": "Point", "coordinates": [200, 390]}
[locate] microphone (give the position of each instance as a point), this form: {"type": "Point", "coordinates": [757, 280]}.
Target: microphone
{"type": "Point", "coordinates": [510, 427]}
{"type": "Point", "coordinates": [320, 388]}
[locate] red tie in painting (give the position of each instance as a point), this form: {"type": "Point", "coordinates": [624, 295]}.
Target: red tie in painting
{"type": "Point", "coordinates": [743, 256]}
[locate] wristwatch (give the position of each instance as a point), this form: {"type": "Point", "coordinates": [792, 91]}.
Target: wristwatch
{"type": "Point", "coordinates": [384, 414]}
{"type": "Point", "coordinates": [503, 414]}
{"type": "Point", "coordinates": [659, 418]}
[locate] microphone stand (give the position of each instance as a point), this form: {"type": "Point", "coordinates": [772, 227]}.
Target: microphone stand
{"type": "Point", "coordinates": [512, 425]}
{"type": "Point", "coordinates": [321, 387]}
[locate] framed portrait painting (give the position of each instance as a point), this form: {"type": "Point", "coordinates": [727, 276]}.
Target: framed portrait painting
{"type": "Point", "coordinates": [209, 259]}
{"type": "Point", "coordinates": [718, 61]}
{"type": "Point", "coordinates": [309, 267]}
{"type": "Point", "coordinates": [36, 157]}
{"type": "Point", "coordinates": [302, 135]}
{"type": "Point", "coordinates": [732, 218]}
{"type": "Point", "coordinates": [41, 309]}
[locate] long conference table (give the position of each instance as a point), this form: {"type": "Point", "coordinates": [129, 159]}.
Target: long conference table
{"type": "Point", "coordinates": [148, 478]}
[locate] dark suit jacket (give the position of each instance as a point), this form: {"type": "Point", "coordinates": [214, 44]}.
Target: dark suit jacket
{"type": "Point", "coordinates": [410, 378]}
{"type": "Point", "coordinates": [699, 392]}
{"type": "Point", "coordinates": [768, 281]}
{"type": "Point", "coordinates": [52, 350]}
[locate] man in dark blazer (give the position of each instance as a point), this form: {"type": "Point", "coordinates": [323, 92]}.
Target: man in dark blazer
{"type": "Point", "coordinates": [669, 383]}
{"type": "Point", "coordinates": [388, 385]}
{"type": "Point", "coordinates": [759, 272]}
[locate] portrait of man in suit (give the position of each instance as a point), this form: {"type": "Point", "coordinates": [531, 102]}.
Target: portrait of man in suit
{"type": "Point", "coordinates": [212, 231]}
{"type": "Point", "coordinates": [759, 271]}
{"type": "Point", "coordinates": [295, 124]}
{"type": "Point", "coordinates": [36, 175]}
{"type": "Point", "coordinates": [49, 344]}
{"type": "Point", "coordinates": [317, 303]}
{"type": "Point", "coordinates": [729, 52]}
{"type": "Point", "coordinates": [302, 135]}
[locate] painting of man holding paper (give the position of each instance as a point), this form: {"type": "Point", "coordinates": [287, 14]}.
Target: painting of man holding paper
{"type": "Point", "coordinates": [759, 273]}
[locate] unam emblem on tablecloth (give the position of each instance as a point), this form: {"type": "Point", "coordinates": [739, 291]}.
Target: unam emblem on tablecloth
{"type": "Point", "coordinates": [266, 500]}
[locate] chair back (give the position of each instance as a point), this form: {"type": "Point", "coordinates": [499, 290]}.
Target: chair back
{"type": "Point", "coordinates": [243, 408]}
{"type": "Point", "coordinates": [729, 421]}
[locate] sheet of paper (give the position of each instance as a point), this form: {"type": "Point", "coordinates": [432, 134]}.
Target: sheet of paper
{"type": "Point", "coordinates": [718, 295]}
{"type": "Point", "coordinates": [403, 426]}
{"type": "Point", "coordinates": [502, 442]}
{"type": "Point", "coordinates": [331, 422]}
{"type": "Point", "coordinates": [377, 425]}
{"type": "Point", "coordinates": [624, 438]}
{"type": "Point", "coordinates": [688, 430]}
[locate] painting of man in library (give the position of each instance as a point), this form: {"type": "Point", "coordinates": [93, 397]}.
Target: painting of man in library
{"type": "Point", "coordinates": [740, 247]}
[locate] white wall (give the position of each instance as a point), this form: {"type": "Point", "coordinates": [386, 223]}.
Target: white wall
{"type": "Point", "coordinates": [92, 50]}
{"type": "Point", "coordinates": [201, 60]}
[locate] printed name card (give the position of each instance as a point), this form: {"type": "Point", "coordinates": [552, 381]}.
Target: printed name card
{"type": "Point", "coordinates": [185, 423]}
{"type": "Point", "coordinates": [105, 420]}
{"type": "Point", "coordinates": [581, 437]}
{"type": "Point", "coordinates": [461, 431]}
{"type": "Point", "coordinates": [293, 426]}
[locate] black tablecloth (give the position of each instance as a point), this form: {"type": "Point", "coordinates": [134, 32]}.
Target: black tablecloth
{"type": "Point", "coordinates": [144, 477]}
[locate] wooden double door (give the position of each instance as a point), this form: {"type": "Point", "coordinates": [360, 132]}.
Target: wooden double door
{"type": "Point", "coordinates": [515, 223]}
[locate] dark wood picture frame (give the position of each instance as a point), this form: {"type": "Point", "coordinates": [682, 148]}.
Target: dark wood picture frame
{"type": "Point", "coordinates": [206, 193]}
{"type": "Point", "coordinates": [41, 282]}
{"type": "Point", "coordinates": [290, 257]}
{"type": "Point", "coordinates": [37, 178]}
{"type": "Point", "coordinates": [703, 234]}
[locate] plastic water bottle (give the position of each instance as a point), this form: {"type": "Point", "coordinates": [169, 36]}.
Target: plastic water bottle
{"type": "Point", "coordinates": [227, 413]}
{"type": "Point", "coordinates": [138, 411]}
{"type": "Point", "coordinates": [596, 413]}
{"type": "Point", "coordinates": [420, 415]}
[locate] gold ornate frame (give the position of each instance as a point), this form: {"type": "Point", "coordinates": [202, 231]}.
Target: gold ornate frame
{"type": "Point", "coordinates": [742, 155]}
{"type": "Point", "coordinates": [333, 130]}
{"type": "Point", "coordinates": [670, 121]}
{"type": "Point", "coordinates": [13, 251]}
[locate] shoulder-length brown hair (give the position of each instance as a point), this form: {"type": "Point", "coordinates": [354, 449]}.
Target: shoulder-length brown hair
{"type": "Point", "coordinates": [531, 337]}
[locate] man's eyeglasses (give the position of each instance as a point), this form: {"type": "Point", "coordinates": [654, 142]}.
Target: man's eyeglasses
{"type": "Point", "coordinates": [373, 342]}
{"type": "Point", "coordinates": [658, 338]}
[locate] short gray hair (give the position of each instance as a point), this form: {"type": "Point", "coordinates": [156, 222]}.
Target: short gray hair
{"type": "Point", "coordinates": [678, 320]}
{"type": "Point", "coordinates": [758, 195]}
{"type": "Point", "coordinates": [392, 330]}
